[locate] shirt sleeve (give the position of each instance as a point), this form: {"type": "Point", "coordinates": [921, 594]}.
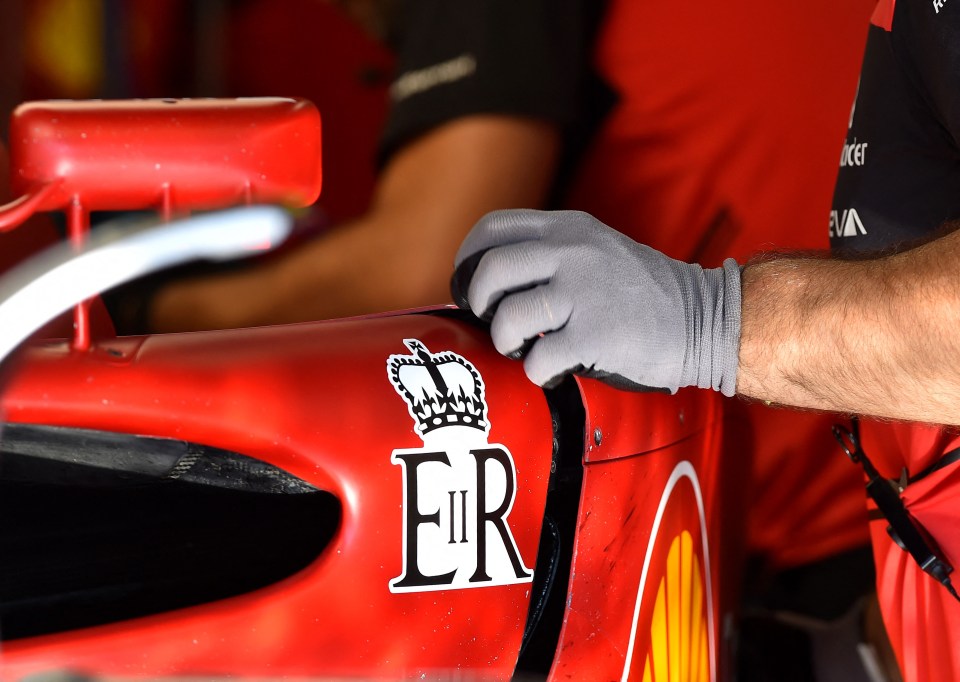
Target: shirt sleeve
{"type": "Point", "coordinates": [516, 57]}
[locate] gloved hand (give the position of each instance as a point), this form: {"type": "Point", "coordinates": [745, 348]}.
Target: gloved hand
{"type": "Point", "coordinates": [573, 295]}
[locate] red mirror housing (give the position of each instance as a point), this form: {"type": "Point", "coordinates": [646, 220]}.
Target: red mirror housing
{"type": "Point", "coordinates": [166, 154]}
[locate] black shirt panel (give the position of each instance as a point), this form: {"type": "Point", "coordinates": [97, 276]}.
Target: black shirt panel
{"type": "Point", "coordinates": [929, 33]}
{"type": "Point", "coordinates": [514, 57]}
{"type": "Point", "coordinates": [899, 176]}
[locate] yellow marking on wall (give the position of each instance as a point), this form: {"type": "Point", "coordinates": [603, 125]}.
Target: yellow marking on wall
{"type": "Point", "coordinates": [64, 43]}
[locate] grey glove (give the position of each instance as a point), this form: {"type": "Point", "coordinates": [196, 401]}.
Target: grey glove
{"type": "Point", "coordinates": [574, 295]}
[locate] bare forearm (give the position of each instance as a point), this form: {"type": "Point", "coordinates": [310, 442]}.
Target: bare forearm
{"type": "Point", "coordinates": [398, 254]}
{"type": "Point", "coordinates": [873, 337]}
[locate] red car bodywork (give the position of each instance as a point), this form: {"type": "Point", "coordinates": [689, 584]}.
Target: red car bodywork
{"type": "Point", "coordinates": [653, 516]}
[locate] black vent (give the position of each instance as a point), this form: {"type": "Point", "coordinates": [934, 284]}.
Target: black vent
{"type": "Point", "coordinates": [100, 527]}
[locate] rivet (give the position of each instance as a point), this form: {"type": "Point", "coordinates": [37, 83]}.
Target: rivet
{"type": "Point", "coordinates": [597, 436]}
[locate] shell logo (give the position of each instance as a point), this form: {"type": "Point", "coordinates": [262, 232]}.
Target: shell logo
{"type": "Point", "coordinates": [678, 633]}
{"type": "Point", "coordinates": [672, 637]}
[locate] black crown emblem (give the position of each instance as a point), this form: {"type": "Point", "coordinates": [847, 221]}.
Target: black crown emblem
{"type": "Point", "coordinates": [441, 389]}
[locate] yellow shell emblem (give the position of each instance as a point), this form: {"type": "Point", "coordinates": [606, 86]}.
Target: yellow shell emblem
{"type": "Point", "coordinates": [673, 631]}
{"type": "Point", "coordinates": [678, 631]}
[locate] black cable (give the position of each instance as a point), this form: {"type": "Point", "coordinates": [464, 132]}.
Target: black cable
{"type": "Point", "coordinates": [903, 529]}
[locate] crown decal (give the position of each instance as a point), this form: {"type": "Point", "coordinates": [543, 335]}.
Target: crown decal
{"type": "Point", "coordinates": [442, 389]}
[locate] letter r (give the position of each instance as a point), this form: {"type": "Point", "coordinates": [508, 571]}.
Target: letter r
{"type": "Point", "coordinates": [498, 516]}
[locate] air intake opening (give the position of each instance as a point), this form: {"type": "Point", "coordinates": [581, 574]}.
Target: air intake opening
{"type": "Point", "coordinates": [100, 527]}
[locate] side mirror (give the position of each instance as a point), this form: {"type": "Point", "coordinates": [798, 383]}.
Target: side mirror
{"type": "Point", "coordinates": [172, 155]}
{"type": "Point", "coordinates": [169, 155]}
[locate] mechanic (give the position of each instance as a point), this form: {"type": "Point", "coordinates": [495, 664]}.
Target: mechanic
{"type": "Point", "coordinates": [872, 335]}
{"type": "Point", "coordinates": [488, 103]}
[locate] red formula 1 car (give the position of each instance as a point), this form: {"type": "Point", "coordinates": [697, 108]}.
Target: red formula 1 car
{"type": "Point", "coordinates": [381, 498]}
